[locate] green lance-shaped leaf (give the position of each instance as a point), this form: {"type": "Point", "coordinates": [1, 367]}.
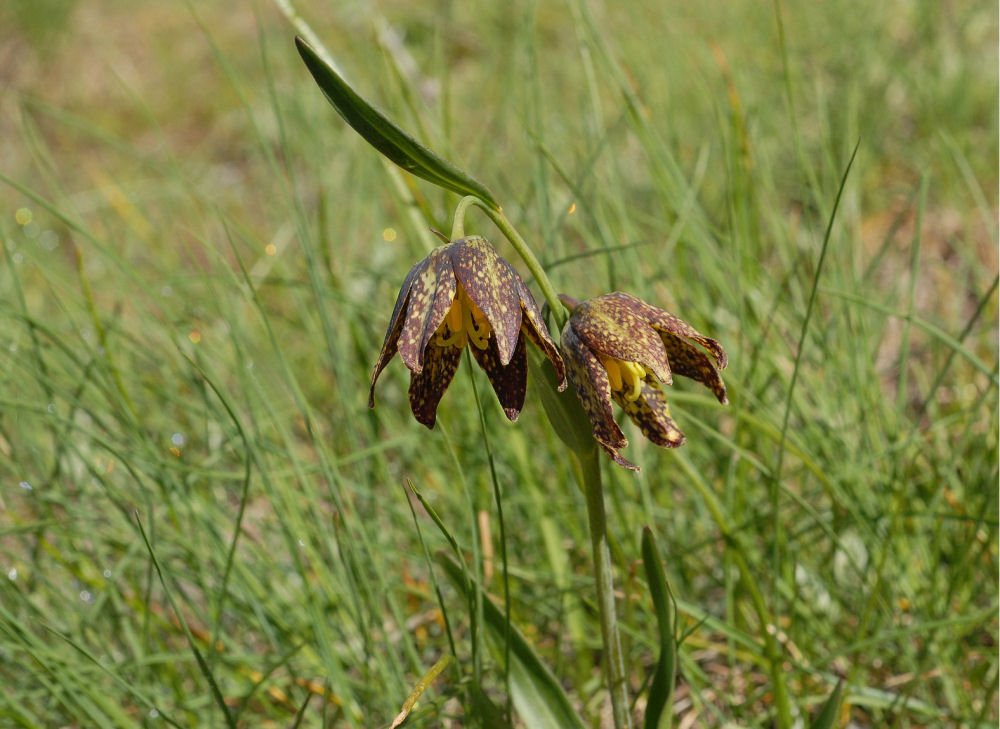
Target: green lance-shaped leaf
{"type": "Point", "coordinates": [830, 712]}
{"type": "Point", "coordinates": [380, 132]}
{"type": "Point", "coordinates": [538, 698]}
{"type": "Point", "coordinates": [659, 705]}
{"type": "Point", "coordinates": [563, 409]}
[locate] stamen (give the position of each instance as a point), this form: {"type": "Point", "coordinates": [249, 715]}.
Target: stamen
{"type": "Point", "coordinates": [625, 377]}
{"type": "Point", "coordinates": [634, 373]}
{"type": "Point", "coordinates": [463, 323]}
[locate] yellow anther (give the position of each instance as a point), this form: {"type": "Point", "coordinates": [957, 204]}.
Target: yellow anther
{"type": "Point", "coordinates": [633, 374]}
{"type": "Point", "coordinates": [463, 323]}
{"type": "Point", "coordinates": [624, 377]}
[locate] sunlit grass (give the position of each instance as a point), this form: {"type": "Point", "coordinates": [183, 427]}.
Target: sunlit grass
{"type": "Point", "coordinates": [197, 274]}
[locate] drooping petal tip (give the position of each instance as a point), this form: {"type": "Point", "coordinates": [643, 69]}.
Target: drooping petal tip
{"type": "Point", "coordinates": [618, 347]}
{"type": "Point", "coordinates": [462, 294]}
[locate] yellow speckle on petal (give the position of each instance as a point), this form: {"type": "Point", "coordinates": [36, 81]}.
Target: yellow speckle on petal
{"type": "Point", "coordinates": [389, 235]}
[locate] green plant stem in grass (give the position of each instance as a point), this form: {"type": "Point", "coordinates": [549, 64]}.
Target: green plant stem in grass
{"type": "Point", "coordinates": [614, 661]}
{"type": "Point", "coordinates": [520, 245]}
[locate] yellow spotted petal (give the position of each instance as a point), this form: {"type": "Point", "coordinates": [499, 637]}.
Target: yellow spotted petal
{"type": "Point", "coordinates": [428, 385]}
{"type": "Point", "coordinates": [651, 414]}
{"type": "Point", "coordinates": [509, 380]}
{"type": "Point", "coordinates": [664, 321]}
{"type": "Point", "coordinates": [590, 380]}
{"type": "Point", "coordinates": [431, 296]}
{"type": "Point", "coordinates": [607, 326]}
{"type": "Point", "coordinates": [489, 282]}
{"type": "Point", "coordinates": [533, 325]}
{"type": "Point", "coordinates": [688, 361]}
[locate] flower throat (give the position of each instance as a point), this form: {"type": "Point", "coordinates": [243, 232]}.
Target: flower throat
{"type": "Point", "coordinates": [463, 324]}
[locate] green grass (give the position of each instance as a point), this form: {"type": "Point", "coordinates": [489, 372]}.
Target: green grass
{"type": "Point", "coordinates": [189, 320]}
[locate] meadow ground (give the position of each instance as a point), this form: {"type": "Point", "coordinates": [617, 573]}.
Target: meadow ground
{"type": "Point", "coordinates": [203, 524]}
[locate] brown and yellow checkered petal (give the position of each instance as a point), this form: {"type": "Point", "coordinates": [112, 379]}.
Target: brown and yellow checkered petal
{"type": "Point", "coordinates": [509, 381]}
{"type": "Point", "coordinates": [388, 348]}
{"type": "Point", "coordinates": [689, 361]}
{"type": "Point", "coordinates": [395, 327]}
{"type": "Point", "coordinates": [664, 321]}
{"type": "Point", "coordinates": [533, 325]}
{"type": "Point", "coordinates": [613, 325]}
{"type": "Point", "coordinates": [590, 380]}
{"type": "Point", "coordinates": [489, 282]}
{"type": "Point", "coordinates": [613, 452]}
{"type": "Point", "coordinates": [431, 295]}
{"type": "Point", "coordinates": [651, 414]}
{"type": "Point", "coordinates": [428, 385]}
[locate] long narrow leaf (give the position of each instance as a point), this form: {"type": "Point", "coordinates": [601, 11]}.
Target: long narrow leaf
{"type": "Point", "coordinates": [659, 705]}
{"type": "Point", "coordinates": [380, 132]}
{"type": "Point", "coordinates": [831, 709]}
{"type": "Point", "coordinates": [537, 696]}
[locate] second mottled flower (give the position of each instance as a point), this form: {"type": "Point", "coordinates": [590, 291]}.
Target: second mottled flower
{"type": "Point", "coordinates": [620, 348]}
{"type": "Point", "coordinates": [462, 294]}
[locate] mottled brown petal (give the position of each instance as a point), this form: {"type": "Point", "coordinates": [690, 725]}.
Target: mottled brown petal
{"type": "Point", "coordinates": [431, 295]}
{"type": "Point", "coordinates": [388, 347]}
{"type": "Point", "coordinates": [617, 457]}
{"type": "Point", "coordinates": [590, 380]}
{"type": "Point", "coordinates": [689, 361]}
{"type": "Point", "coordinates": [664, 321]}
{"type": "Point", "coordinates": [428, 385]}
{"type": "Point", "coordinates": [509, 381]}
{"type": "Point", "coordinates": [489, 282]}
{"type": "Point", "coordinates": [651, 414]}
{"type": "Point", "coordinates": [614, 326]}
{"type": "Point", "coordinates": [533, 325]}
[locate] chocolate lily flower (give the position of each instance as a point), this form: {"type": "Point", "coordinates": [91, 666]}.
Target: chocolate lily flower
{"type": "Point", "coordinates": [619, 347]}
{"type": "Point", "coordinates": [462, 294]}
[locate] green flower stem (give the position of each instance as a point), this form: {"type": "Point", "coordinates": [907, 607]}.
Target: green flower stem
{"type": "Point", "coordinates": [520, 245]}
{"type": "Point", "coordinates": [614, 660]}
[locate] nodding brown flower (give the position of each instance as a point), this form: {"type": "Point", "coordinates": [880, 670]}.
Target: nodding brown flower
{"type": "Point", "coordinates": [620, 348]}
{"type": "Point", "coordinates": [464, 294]}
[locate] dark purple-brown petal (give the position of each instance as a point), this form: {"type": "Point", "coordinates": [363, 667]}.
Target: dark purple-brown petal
{"type": "Point", "coordinates": [590, 380]}
{"type": "Point", "coordinates": [614, 326]}
{"type": "Point", "coordinates": [395, 326]}
{"type": "Point", "coordinates": [689, 361]}
{"type": "Point", "coordinates": [489, 282]}
{"type": "Point", "coordinates": [431, 295]}
{"type": "Point", "coordinates": [664, 321]}
{"type": "Point", "coordinates": [509, 381]}
{"type": "Point", "coordinates": [428, 385]}
{"type": "Point", "coordinates": [613, 452]}
{"type": "Point", "coordinates": [651, 414]}
{"type": "Point", "coordinates": [388, 347]}
{"type": "Point", "coordinates": [533, 325]}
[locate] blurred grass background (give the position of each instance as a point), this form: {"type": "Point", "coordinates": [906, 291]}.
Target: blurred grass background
{"type": "Point", "coordinates": [200, 260]}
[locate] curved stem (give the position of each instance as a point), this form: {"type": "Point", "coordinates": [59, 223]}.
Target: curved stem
{"type": "Point", "coordinates": [458, 222]}
{"type": "Point", "coordinates": [614, 661]}
{"type": "Point", "coordinates": [520, 245]}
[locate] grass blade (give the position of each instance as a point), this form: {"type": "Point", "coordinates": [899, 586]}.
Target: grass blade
{"type": "Point", "coordinates": [536, 693]}
{"type": "Point", "coordinates": [380, 132]}
{"type": "Point", "coordinates": [831, 709]}
{"type": "Point", "coordinates": [659, 707]}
